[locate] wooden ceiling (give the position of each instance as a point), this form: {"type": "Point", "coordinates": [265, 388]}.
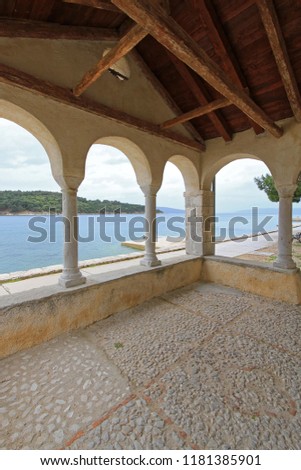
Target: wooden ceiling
{"type": "Point", "coordinates": [223, 66]}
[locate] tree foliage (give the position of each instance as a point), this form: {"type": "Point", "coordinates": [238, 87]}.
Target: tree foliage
{"type": "Point", "coordinates": [266, 183]}
{"type": "Point", "coordinates": [12, 202]}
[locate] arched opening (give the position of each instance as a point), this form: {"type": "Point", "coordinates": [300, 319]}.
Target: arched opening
{"type": "Point", "coordinates": [180, 180]}
{"type": "Point", "coordinates": [116, 169]}
{"type": "Point", "coordinates": [26, 149]}
{"type": "Point", "coordinates": [244, 214]}
{"type": "Point", "coordinates": [24, 119]}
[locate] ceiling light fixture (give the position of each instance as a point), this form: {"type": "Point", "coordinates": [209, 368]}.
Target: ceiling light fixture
{"type": "Point", "coordinates": [120, 69]}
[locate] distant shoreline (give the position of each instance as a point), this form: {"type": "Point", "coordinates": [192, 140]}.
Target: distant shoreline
{"type": "Point", "coordinates": [12, 214]}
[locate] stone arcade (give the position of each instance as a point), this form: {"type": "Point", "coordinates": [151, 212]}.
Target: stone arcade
{"type": "Point", "coordinates": [197, 83]}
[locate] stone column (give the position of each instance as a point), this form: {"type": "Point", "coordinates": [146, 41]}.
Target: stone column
{"type": "Point", "coordinates": [193, 223]}
{"type": "Point", "coordinates": [285, 260]}
{"type": "Point", "coordinates": [199, 223]}
{"type": "Point", "coordinates": [208, 212]}
{"type": "Point", "coordinates": [71, 275]}
{"type": "Point", "coordinates": [150, 258]}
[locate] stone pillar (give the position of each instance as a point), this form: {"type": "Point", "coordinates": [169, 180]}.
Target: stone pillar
{"type": "Point", "coordinates": [71, 275]}
{"type": "Point", "coordinates": [208, 212]}
{"type": "Point", "coordinates": [150, 258]}
{"type": "Point", "coordinates": [285, 260]}
{"type": "Point", "coordinates": [199, 223]}
{"type": "Point", "coordinates": [193, 223]}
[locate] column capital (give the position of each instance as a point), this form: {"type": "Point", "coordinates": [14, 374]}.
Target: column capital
{"type": "Point", "coordinates": [195, 193]}
{"type": "Point", "coordinates": [286, 190]}
{"type": "Point", "coordinates": [149, 190]}
{"type": "Point", "coordinates": [65, 182]}
{"type": "Point", "coordinates": [70, 191]}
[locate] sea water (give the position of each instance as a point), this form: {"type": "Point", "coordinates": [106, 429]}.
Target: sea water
{"type": "Point", "coordinates": [22, 248]}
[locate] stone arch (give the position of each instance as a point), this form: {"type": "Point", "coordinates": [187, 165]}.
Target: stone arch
{"type": "Point", "coordinates": [208, 176]}
{"type": "Point", "coordinates": [135, 155]}
{"type": "Point", "coordinates": [189, 172]}
{"type": "Point", "coordinates": [33, 125]}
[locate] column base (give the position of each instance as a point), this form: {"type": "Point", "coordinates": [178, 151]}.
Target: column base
{"type": "Point", "coordinates": [285, 263]}
{"type": "Point", "coordinates": [150, 262]}
{"type": "Point", "coordinates": [193, 248]}
{"type": "Point", "coordinates": [70, 278]}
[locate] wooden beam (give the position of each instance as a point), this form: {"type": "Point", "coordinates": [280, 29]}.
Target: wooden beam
{"type": "Point", "coordinates": [165, 4]}
{"type": "Point", "coordinates": [271, 23]}
{"type": "Point", "coordinates": [128, 22]}
{"type": "Point", "coordinates": [166, 31]}
{"type": "Point", "coordinates": [216, 118]}
{"type": "Point", "coordinates": [100, 4]}
{"type": "Point", "coordinates": [222, 46]}
{"type": "Point", "coordinates": [24, 81]}
{"type": "Point", "coordinates": [161, 90]}
{"type": "Point", "coordinates": [201, 111]}
{"type": "Point", "coordinates": [125, 45]}
{"type": "Point", "coordinates": [16, 28]}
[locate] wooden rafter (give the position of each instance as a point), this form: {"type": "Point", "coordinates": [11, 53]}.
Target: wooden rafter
{"type": "Point", "coordinates": [16, 28]}
{"type": "Point", "coordinates": [201, 111]}
{"type": "Point", "coordinates": [158, 86]}
{"type": "Point", "coordinates": [216, 118]}
{"type": "Point", "coordinates": [19, 79]}
{"type": "Point", "coordinates": [125, 45]}
{"type": "Point", "coordinates": [128, 22]}
{"type": "Point", "coordinates": [222, 46]}
{"type": "Point", "coordinates": [165, 4]}
{"type": "Point", "coordinates": [166, 31]}
{"type": "Point", "coordinates": [100, 4]}
{"type": "Point", "coordinates": [271, 23]}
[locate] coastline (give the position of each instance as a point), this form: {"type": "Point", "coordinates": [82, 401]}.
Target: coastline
{"type": "Point", "coordinates": [166, 247]}
{"type": "Point", "coordinates": [27, 213]}
{"type": "Point", "coordinates": [54, 269]}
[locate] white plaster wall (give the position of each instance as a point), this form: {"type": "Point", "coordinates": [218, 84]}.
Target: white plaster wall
{"type": "Point", "coordinates": [64, 62]}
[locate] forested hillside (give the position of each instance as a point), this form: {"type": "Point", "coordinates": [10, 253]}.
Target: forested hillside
{"type": "Point", "coordinates": [14, 202]}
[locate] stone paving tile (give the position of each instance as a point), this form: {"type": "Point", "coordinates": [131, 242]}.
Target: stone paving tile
{"type": "Point", "coordinates": [48, 393]}
{"type": "Point", "coordinates": [147, 339]}
{"type": "Point", "coordinates": [272, 322]}
{"type": "Point", "coordinates": [234, 393]}
{"type": "Point", "coordinates": [212, 301]}
{"type": "Point", "coordinates": [132, 427]}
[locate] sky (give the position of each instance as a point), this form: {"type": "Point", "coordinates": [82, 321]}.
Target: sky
{"type": "Point", "coordinates": [24, 165]}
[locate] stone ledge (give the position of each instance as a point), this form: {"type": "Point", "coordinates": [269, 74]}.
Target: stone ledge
{"type": "Point", "coordinates": [256, 278]}
{"type": "Point", "coordinates": [39, 315]}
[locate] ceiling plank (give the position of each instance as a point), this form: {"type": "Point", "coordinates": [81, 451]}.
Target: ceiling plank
{"type": "Point", "coordinates": [15, 28]}
{"type": "Point", "coordinates": [271, 23]}
{"type": "Point", "coordinates": [166, 31]}
{"type": "Point", "coordinates": [99, 4]}
{"type": "Point", "coordinates": [158, 86]}
{"type": "Point", "coordinates": [125, 45]}
{"type": "Point", "coordinates": [222, 46]}
{"type": "Point", "coordinates": [216, 118]}
{"type": "Point", "coordinates": [24, 81]}
{"type": "Point", "coordinates": [201, 111]}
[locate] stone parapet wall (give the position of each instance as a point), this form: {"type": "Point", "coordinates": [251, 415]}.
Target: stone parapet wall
{"type": "Point", "coordinates": [256, 278]}
{"type": "Point", "coordinates": [42, 314]}
{"type": "Point", "coordinates": [39, 315]}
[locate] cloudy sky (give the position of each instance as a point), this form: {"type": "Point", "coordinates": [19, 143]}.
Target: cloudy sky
{"type": "Point", "coordinates": [24, 165]}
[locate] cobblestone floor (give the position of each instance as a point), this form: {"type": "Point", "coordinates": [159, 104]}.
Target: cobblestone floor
{"type": "Point", "coordinates": [204, 367]}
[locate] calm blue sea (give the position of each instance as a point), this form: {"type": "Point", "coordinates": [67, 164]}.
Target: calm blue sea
{"type": "Point", "coordinates": [17, 253]}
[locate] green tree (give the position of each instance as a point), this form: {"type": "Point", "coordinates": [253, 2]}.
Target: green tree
{"type": "Point", "coordinates": [266, 183]}
{"type": "Point", "coordinates": [42, 201]}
